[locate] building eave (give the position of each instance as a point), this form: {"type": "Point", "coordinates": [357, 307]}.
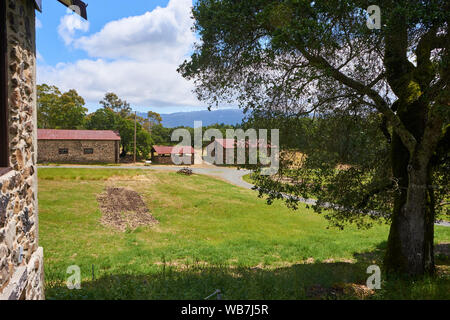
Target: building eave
{"type": "Point", "coordinates": [38, 5]}
{"type": "Point", "coordinates": [77, 6]}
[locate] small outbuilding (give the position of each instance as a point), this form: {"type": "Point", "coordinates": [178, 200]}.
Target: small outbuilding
{"type": "Point", "coordinates": [163, 154]}
{"type": "Point", "coordinates": [78, 146]}
{"type": "Point", "coordinates": [219, 148]}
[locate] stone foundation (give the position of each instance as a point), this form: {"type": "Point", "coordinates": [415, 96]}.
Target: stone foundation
{"type": "Point", "coordinates": [21, 259]}
{"type": "Point", "coordinates": [27, 281]}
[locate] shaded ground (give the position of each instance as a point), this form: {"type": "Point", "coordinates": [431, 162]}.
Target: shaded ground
{"type": "Point", "coordinates": [442, 249]}
{"type": "Point", "coordinates": [318, 280]}
{"type": "Point", "coordinates": [124, 209]}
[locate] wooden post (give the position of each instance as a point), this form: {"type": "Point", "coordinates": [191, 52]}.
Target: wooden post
{"type": "Point", "coordinates": [135, 120]}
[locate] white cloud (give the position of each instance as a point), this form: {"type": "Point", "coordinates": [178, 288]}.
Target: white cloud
{"type": "Point", "coordinates": [39, 56]}
{"type": "Point", "coordinates": [38, 23]}
{"type": "Point", "coordinates": [162, 33]}
{"type": "Point", "coordinates": [151, 83]}
{"type": "Point", "coordinates": [69, 24]}
{"type": "Point", "coordinates": [135, 57]}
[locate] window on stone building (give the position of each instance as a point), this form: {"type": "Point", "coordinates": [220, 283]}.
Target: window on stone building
{"type": "Point", "coordinates": [88, 151]}
{"type": "Point", "coordinates": [63, 151]}
{"type": "Point", "coordinates": [4, 142]}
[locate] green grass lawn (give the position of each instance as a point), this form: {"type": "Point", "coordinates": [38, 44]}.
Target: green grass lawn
{"type": "Point", "coordinates": [248, 178]}
{"type": "Point", "coordinates": [212, 235]}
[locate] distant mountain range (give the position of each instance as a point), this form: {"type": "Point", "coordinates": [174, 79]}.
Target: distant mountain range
{"type": "Point", "coordinates": [186, 119]}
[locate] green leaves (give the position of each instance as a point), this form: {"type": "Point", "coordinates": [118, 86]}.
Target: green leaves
{"type": "Point", "coordinates": [285, 59]}
{"type": "Point", "coordinates": [106, 119]}
{"type": "Point", "coordinates": [58, 110]}
{"type": "Point", "coordinates": [112, 101]}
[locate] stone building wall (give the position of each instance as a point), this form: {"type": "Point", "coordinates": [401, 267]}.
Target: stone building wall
{"type": "Point", "coordinates": [104, 151]}
{"type": "Point", "coordinates": [157, 159]}
{"type": "Point", "coordinates": [21, 258]}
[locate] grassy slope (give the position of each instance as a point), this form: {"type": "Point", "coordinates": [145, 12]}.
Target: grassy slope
{"type": "Point", "coordinates": [248, 178]}
{"type": "Point", "coordinates": [211, 235]}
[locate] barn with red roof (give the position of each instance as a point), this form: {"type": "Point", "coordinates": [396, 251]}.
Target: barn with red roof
{"type": "Point", "coordinates": [163, 154]}
{"type": "Point", "coordinates": [224, 146]}
{"type": "Point", "coordinates": [78, 146]}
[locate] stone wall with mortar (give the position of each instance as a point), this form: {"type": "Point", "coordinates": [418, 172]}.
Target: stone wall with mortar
{"type": "Point", "coordinates": [21, 258]}
{"type": "Point", "coordinates": [158, 159]}
{"type": "Point", "coordinates": [104, 151]}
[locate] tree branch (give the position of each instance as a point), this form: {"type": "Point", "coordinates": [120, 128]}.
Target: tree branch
{"type": "Point", "coordinates": [407, 137]}
{"type": "Point", "coordinates": [365, 200]}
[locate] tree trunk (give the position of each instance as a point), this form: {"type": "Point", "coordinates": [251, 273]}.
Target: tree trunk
{"type": "Point", "coordinates": [410, 242]}
{"type": "Point", "coordinates": [124, 152]}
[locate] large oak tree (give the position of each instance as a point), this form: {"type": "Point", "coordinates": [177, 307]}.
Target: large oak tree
{"type": "Point", "coordinates": [298, 56]}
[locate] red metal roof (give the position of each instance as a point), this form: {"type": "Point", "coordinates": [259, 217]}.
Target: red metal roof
{"type": "Point", "coordinates": [170, 150]}
{"type": "Point", "coordinates": [52, 134]}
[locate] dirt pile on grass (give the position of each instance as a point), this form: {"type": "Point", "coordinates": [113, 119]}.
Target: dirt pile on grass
{"type": "Point", "coordinates": [124, 209]}
{"type": "Point", "coordinates": [186, 172]}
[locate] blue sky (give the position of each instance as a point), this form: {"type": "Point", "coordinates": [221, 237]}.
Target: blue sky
{"type": "Point", "coordinates": [130, 47]}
